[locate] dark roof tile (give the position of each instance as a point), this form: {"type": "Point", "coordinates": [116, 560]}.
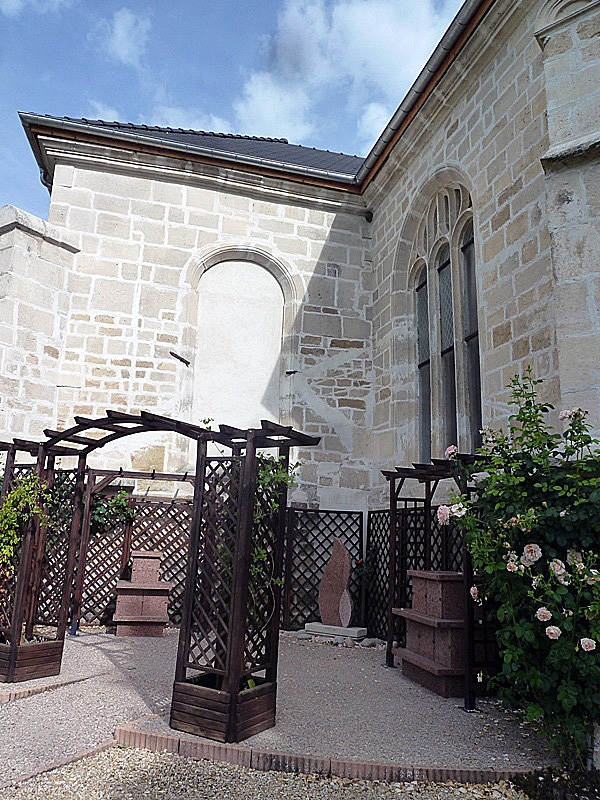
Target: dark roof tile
{"type": "Point", "coordinates": [232, 145]}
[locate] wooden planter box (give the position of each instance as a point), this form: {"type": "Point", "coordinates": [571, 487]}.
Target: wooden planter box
{"type": "Point", "coordinates": [33, 660]}
{"type": "Point", "coordinates": [198, 708]}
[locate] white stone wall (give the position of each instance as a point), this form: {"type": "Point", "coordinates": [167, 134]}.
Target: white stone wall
{"type": "Point", "coordinates": [35, 280]}
{"type": "Point", "coordinates": [570, 47]}
{"type": "Point", "coordinates": [146, 238]}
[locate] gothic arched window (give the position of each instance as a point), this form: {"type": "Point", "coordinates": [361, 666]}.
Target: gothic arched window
{"type": "Point", "coordinates": [423, 366]}
{"type": "Point", "coordinates": [447, 341]}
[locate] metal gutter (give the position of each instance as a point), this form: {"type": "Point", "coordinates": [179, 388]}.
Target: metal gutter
{"type": "Point", "coordinates": [28, 120]}
{"type": "Point", "coordinates": [419, 87]}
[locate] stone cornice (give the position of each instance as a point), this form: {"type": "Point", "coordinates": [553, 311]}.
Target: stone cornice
{"type": "Point", "coordinates": [578, 149]}
{"type": "Point", "coordinates": [12, 218]}
{"type": "Point", "coordinates": [197, 173]}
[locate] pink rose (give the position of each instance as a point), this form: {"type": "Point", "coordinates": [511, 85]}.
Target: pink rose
{"type": "Point", "coordinates": [531, 554]}
{"type": "Point", "coordinates": [450, 451]}
{"type": "Point", "coordinates": [474, 592]}
{"type": "Point", "coordinates": [588, 645]}
{"type": "Point", "coordinates": [512, 567]}
{"type": "Point", "coordinates": [593, 577]}
{"type": "Point", "coordinates": [443, 515]}
{"type": "Point", "coordinates": [557, 567]}
{"type": "Point", "coordinates": [553, 632]}
{"type": "Point", "coordinates": [543, 614]}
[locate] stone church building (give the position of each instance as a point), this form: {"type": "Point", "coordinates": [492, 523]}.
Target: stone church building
{"type": "Point", "coordinates": [382, 303]}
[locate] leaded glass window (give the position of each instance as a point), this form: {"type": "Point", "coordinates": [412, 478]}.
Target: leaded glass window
{"type": "Point", "coordinates": [423, 367]}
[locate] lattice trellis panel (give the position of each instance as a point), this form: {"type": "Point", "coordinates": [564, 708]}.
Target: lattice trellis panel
{"type": "Point", "coordinates": [54, 564]}
{"type": "Point", "coordinates": [310, 537]}
{"type": "Point", "coordinates": [8, 579]}
{"type": "Point", "coordinates": [102, 571]}
{"type": "Point", "coordinates": [20, 471]}
{"type": "Point", "coordinates": [8, 582]}
{"type": "Point", "coordinates": [165, 526]}
{"type": "Point", "coordinates": [214, 567]}
{"type": "Point", "coordinates": [261, 589]}
{"type": "Point", "coordinates": [435, 548]}
{"type": "Point", "coordinates": [378, 545]}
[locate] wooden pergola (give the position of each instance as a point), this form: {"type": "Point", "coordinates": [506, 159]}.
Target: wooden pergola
{"type": "Point", "coordinates": [231, 648]}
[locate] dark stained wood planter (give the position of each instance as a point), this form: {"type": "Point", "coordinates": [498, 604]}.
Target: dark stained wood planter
{"type": "Point", "coordinates": [31, 660]}
{"type": "Point", "coordinates": [206, 711]}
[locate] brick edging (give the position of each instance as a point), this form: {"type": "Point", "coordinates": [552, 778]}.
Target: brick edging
{"type": "Point", "coordinates": [264, 760]}
{"type": "Point", "coordinates": [61, 762]}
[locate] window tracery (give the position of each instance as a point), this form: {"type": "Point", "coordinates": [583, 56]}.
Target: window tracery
{"type": "Point", "coordinates": [447, 330]}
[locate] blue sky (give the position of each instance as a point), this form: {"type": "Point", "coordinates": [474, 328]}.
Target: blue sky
{"type": "Point", "coordinates": [323, 73]}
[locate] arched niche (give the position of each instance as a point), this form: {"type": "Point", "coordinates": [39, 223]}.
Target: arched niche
{"type": "Point", "coordinates": [239, 336]}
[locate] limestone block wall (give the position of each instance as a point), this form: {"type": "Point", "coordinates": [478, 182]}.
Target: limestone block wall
{"type": "Point", "coordinates": [147, 229]}
{"type": "Point", "coordinates": [570, 49]}
{"type": "Point", "coordinates": [483, 128]}
{"type": "Point", "coordinates": [35, 264]}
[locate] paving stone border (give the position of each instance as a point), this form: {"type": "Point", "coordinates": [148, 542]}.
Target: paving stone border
{"type": "Point", "coordinates": [263, 760]}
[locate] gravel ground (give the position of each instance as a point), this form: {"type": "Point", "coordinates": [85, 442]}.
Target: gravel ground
{"type": "Point", "coordinates": [125, 774]}
{"type": "Point", "coordinates": [332, 701]}
{"type": "Point", "coordinates": [125, 679]}
{"type": "Point", "coordinates": [341, 702]}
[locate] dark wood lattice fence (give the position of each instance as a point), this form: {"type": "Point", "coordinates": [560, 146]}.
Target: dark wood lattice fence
{"type": "Point", "coordinates": [54, 563]}
{"type": "Point", "coordinates": [377, 582]}
{"type": "Point", "coordinates": [421, 543]}
{"type": "Point", "coordinates": [310, 534]}
{"type": "Point", "coordinates": [159, 524]}
{"type": "Point", "coordinates": [164, 525]}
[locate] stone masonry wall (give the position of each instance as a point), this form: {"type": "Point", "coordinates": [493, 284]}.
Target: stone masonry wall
{"type": "Point", "coordinates": [35, 263]}
{"type": "Point", "coordinates": [485, 128]}
{"type": "Point", "coordinates": [571, 55]}
{"type": "Point", "coordinates": [145, 241]}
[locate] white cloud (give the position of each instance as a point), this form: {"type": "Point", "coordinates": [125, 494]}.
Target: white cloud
{"type": "Point", "coordinates": [361, 54]}
{"type": "Point", "coordinates": [371, 122]}
{"type": "Point", "coordinates": [271, 107]}
{"type": "Point", "coordinates": [124, 38]}
{"type": "Point", "coordinates": [12, 8]}
{"type": "Point", "coordinates": [100, 110]}
{"type": "Point", "coordinates": [169, 116]}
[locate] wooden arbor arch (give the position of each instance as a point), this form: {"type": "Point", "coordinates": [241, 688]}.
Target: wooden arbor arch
{"type": "Point", "coordinates": [227, 654]}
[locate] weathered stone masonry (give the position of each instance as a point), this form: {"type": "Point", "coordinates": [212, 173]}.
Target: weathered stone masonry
{"type": "Point", "coordinates": [507, 127]}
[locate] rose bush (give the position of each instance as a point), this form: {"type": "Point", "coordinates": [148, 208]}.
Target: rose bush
{"type": "Point", "coordinates": [533, 530]}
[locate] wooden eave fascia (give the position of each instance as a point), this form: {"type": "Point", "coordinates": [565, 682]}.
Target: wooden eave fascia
{"type": "Point", "coordinates": [38, 129]}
